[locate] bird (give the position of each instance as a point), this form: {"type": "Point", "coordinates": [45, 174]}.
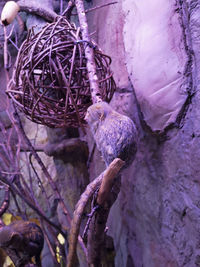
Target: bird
{"type": "Point", "coordinates": [115, 134]}
{"type": "Point", "coordinates": [25, 239]}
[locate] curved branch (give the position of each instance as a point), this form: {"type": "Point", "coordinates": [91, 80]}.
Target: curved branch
{"type": "Point", "coordinates": [6, 201]}
{"type": "Point", "coordinates": [29, 6]}
{"type": "Point", "coordinates": [108, 175]}
{"type": "Point", "coordinates": [18, 124]}
{"type": "Point", "coordinates": [76, 221]}
{"type": "Point", "coordinates": [30, 204]}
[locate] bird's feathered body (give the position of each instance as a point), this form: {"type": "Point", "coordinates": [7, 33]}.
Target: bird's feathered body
{"type": "Point", "coordinates": [115, 134]}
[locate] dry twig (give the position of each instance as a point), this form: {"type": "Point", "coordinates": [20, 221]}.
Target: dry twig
{"type": "Point", "coordinates": [96, 7]}
{"type": "Point", "coordinates": [108, 180]}
{"type": "Point", "coordinates": [108, 175]}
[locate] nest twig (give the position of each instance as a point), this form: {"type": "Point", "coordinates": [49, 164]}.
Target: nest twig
{"type": "Point", "coordinates": [50, 82]}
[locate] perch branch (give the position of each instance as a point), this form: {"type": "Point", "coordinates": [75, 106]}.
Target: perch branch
{"type": "Point", "coordinates": [107, 195]}
{"type": "Point", "coordinates": [6, 64]}
{"type": "Point", "coordinates": [30, 7]}
{"type": "Point", "coordinates": [89, 53]}
{"type": "Point", "coordinates": [76, 221]}
{"type": "Point", "coordinates": [6, 201]}
{"type": "Point", "coordinates": [67, 12]}
{"type": "Point", "coordinates": [108, 180]}
{"type": "Point", "coordinates": [107, 175]}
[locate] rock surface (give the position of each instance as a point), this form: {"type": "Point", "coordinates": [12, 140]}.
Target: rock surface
{"type": "Point", "coordinates": [155, 221]}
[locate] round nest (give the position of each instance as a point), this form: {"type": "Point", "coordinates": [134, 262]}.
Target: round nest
{"type": "Point", "coordinates": [50, 79]}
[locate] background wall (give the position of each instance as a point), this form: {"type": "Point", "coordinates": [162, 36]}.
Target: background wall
{"type": "Point", "coordinates": [155, 220]}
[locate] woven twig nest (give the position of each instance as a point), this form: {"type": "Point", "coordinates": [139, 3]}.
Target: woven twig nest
{"type": "Point", "coordinates": [50, 80]}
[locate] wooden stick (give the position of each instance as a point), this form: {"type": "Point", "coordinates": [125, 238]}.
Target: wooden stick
{"type": "Point", "coordinates": [89, 53]}
{"type": "Point", "coordinates": [109, 190]}
{"type": "Point", "coordinates": [108, 180]}
{"type": "Point", "coordinates": [108, 175]}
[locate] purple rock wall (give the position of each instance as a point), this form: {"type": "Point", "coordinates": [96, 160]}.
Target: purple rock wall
{"type": "Point", "coordinates": [155, 221]}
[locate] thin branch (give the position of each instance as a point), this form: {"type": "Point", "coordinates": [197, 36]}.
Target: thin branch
{"type": "Point", "coordinates": [48, 241]}
{"type": "Point", "coordinates": [67, 12]}
{"type": "Point", "coordinates": [96, 7]}
{"type": "Point", "coordinates": [16, 203]}
{"type": "Point", "coordinates": [108, 192]}
{"type": "Point", "coordinates": [38, 148]}
{"type": "Point", "coordinates": [53, 185]}
{"type": "Point", "coordinates": [30, 204]}
{"type": "Point", "coordinates": [5, 204]}
{"type": "Point", "coordinates": [39, 180]}
{"type": "Point", "coordinates": [89, 53]}
{"type": "Point", "coordinates": [61, 6]}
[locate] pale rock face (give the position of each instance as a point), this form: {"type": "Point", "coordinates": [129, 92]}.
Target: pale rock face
{"type": "Point", "coordinates": [156, 58]}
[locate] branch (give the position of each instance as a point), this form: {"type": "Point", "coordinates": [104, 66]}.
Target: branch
{"type": "Point", "coordinates": [108, 180]}
{"type": "Point", "coordinates": [5, 204]}
{"type": "Point", "coordinates": [29, 6]}
{"type": "Point", "coordinates": [107, 195]}
{"type": "Point", "coordinates": [30, 204]}
{"type": "Point", "coordinates": [107, 175]}
{"type": "Point", "coordinates": [89, 53]}
{"type": "Point", "coordinates": [53, 185]}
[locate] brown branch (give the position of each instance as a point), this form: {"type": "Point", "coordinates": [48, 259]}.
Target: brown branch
{"type": "Point", "coordinates": [39, 180]}
{"type": "Point", "coordinates": [108, 180]}
{"type": "Point", "coordinates": [89, 53]}
{"type": "Point", "coordinates": [38, 148]}
{"type": "Point", "coordinates": [77, 217]}
{"type": "Point", "coordinates": [5, 204]}
{"type": "Point", "coordinates": [107, 195]}
{"type": "Point", "coordinates": [53, 185]}
{"type": "Point", "coordinates": [6, 65]}
{"type": "Point", "coordinates": [29, 6]}
{"type": "Point", "coordinates": [67, 12]}
{"type": "Point", "coordinates": [107, 175]}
